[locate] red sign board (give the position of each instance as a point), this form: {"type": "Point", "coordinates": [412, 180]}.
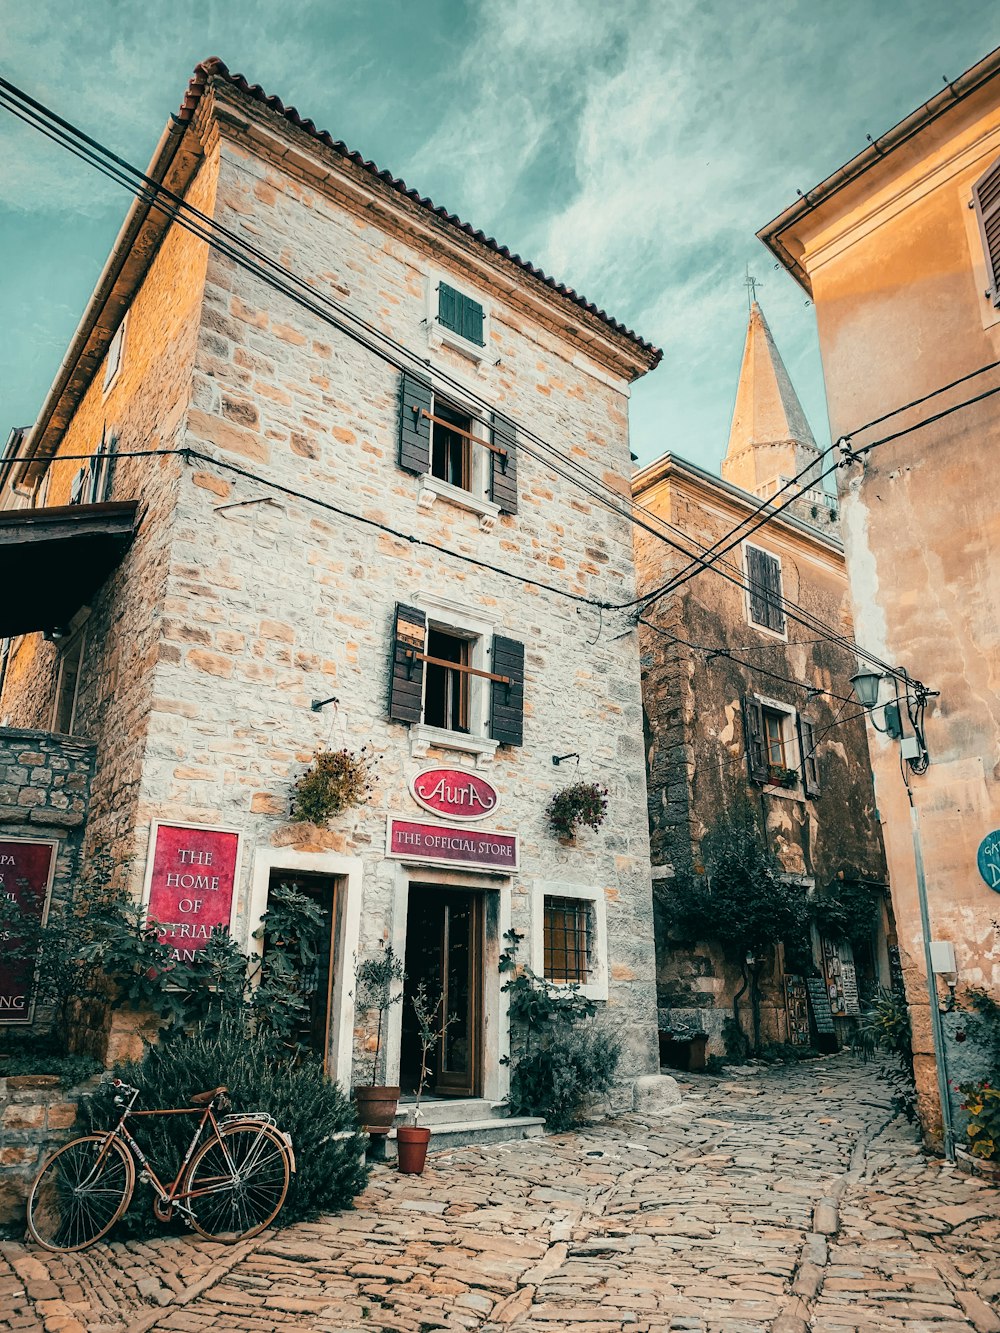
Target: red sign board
{"type": "Point", "coordinates": [190, 884]}
{"type": "Point", "coordinates": [455, 793]}
{"type": "Point", "coordinates": [454, 846]}
{"type": "Point", "coordinates": [25, 879]}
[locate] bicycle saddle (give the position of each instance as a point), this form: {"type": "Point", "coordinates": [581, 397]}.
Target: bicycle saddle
{"type": "Point", "coordinates": [203, 1098]}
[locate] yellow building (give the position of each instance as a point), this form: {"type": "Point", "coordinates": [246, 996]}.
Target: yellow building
{"type": "Point", "coordinates": [900, 251]}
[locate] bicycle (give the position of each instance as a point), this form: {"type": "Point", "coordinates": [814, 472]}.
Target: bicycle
{"type": "Point", "coordinates": [229, 1188]}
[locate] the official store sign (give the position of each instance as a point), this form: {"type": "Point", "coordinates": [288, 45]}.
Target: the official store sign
{"type": "Point", "coordinates": [26, 868]}
{"type": "Point", "coordinates": [190, 884]}
{"type": "Point", "coordinates": [412, 841]}
{"type": "Point", "coordinates": [455, 793]}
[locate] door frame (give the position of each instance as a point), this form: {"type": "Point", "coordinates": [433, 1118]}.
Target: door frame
{"type": "Point", "coordinates": [495, 891]}
{"type": "Point", "coordinates": [349, 871]}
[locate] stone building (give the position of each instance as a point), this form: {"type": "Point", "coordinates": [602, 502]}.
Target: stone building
{"type": "Point", "coordinates": [369, 502]}
{"type": "Point", "coordinates": [899, 251]}
{"type": "Point", "coordinates": [743, 701]}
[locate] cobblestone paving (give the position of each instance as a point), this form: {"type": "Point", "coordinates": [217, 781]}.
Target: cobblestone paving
{"type": "Point", "coordinates": [781, 1201]}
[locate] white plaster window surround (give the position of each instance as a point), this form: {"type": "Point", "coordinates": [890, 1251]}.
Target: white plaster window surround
{"type": "Point", "coordinates": [455, 617]}
{"type": "Point", "coordinates": [596, 987]}
{"type": "Point", "coordinates": [438, 336]}
{"type": "Point", "coordinates": [475, 498]}
{"type": "Point", "coordinates": [115, 357]}
{"type": "Point", "coordinates": [781, 634]}
{"type": "Point", "coordinates": [790, 741]}
{"type": "Point", "coordinates": [431, 488]}
{"type": "Point", "coordinates": [989, 312]}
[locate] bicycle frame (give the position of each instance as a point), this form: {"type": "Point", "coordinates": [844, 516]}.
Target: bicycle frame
{"type": "Point", "coordinates": [171, 1195]}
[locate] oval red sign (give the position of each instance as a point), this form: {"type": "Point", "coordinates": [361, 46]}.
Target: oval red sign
{"type": "Point", "coordinates": [454, 792]}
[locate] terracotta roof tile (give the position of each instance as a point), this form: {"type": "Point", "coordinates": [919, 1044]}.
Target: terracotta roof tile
{"type": "Point", "coordinates": [216, 68]}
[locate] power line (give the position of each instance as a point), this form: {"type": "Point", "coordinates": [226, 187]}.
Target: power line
{"type": "Point", "coordinates": [277, 276]}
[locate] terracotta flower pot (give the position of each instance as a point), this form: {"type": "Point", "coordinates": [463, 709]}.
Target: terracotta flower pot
{"type": "Point", "coordinates": [376, 1108]}
{"type": "Point", "coordinates": [411, 1148]}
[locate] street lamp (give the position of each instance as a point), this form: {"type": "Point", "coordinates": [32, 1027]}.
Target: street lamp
{"type": "Point", "coordinates": [866, 687]}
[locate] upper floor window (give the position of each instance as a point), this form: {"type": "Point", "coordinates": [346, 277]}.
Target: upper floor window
{"type": "Point", "coordinates": [68, 684]}
{"type": "Point", "coordinates": [115, 356]}
{"type": "Point", "coordinates": [780, 747]}
{"type": "Point", "coordinates": [454, 679]}
{"type": "Point", "coordinates": [442, 439]}
{"type": "Point", "coordinates": [765, 607]}
{"type": "Point", "coordinates": [986, 201]}
{"type": "Point", "coordinates": [461, 314]}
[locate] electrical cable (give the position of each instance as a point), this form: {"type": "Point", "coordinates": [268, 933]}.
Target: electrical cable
{"type": "Point", "coordinates": [153, 190]}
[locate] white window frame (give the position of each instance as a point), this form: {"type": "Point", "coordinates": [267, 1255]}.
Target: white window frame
{"type": "Point", "coordinates": [454, 618]}
{"type": "Point", "coordinates": [792, 748]}
{"type": "Point", "coordinates": [115, 356]}
{"type": "Point", "coordinates": [596, 988]}
{"type": "Point", "coordinates": [438, 336]}
{"type": "Point", "coordinates": [476, 498]}
{"type": "Point", "coordinates": [782, 635]}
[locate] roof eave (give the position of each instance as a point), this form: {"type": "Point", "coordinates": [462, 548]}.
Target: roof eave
{"type": "Point", "coordinates": [772, 233]}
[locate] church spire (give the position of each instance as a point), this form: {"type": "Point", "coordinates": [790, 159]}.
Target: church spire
{"type": "Point", "coordinates": [770, 439]}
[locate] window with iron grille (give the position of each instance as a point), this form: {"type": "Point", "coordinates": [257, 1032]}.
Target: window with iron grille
{"type": "Point", "coordinates": [567, 931]}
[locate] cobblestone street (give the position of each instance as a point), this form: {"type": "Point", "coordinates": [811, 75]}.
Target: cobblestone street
{"type": "Point", "coordinates": [780, 1200]}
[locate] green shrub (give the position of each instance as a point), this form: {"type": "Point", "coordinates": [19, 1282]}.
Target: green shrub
{"type": "Point", "coordinates": [303, 1101]}
{"type": "Point", "coordinates": [885, 1028]}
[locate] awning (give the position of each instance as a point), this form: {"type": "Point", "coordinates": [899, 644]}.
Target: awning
{"type": "Point", "coordinates": [52, 561]}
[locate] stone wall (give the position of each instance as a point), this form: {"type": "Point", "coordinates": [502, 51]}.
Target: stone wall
{"type": "Point", "coordinates": [36, 1115]}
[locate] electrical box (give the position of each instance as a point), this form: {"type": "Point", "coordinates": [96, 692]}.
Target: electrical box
{"type": "Point", "coordinates": [909, 747]}
{"type": "Point", "coordinates": [943, 956]}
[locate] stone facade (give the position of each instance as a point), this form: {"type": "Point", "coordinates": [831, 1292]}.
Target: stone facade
{"type": "Point", "coordinates": [705, 662]}
{"type": "Point", "coordinates": [890, 251]}
{"type": "Point", "coordinates": [269, 564]}
{"type": "Point", "coordinates": [36, 1115]}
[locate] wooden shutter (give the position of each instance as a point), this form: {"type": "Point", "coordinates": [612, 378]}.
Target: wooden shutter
{"type": "Point", "coordinates": [986, 200]}
{"type": "Point", "coordinates": [807, 756]}
{"type": "Point", "coordinates": [460, 313]}
{"type": "Point", "coordinates": [507, 701]}
{"type": "Point", "coordinates": [753, 730]}
{"type": "Point", "coordinates": [503, 471]}
{"type": "Point", "coordinates": [406, 679]}
{"type": "Point", "coordinates": [764, 583]}
{"type": "Point", "coordinates": [414, 428]}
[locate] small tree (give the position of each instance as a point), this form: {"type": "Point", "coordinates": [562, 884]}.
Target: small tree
{"type": "Point", "coordinates": [377, 979]}
{"type": "Point", "coordinates": [739, 900]}
{"type": "Point", "coordinates": [431, 1027]}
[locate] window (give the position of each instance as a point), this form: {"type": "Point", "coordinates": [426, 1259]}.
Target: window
{"type": "Point", "coordinates": [115, 356]}
{"type": "Point", "coordinates": [764, 593]}
{"type": "Point", "coordinates": [455, 676]}
{"type": "Point", "coordinates": [68, 684]}
{"type": "Point", "coordinates": [780, 747]}
{"type": "Point", "coordinates": [986, 202]}
{"type": "Point", "coordinates": [460, 314]}
{"type": "Point", "coordinates": [455, 449]}
{"type": "Point", "coordinates": [774, 734]}
{"type": "Point", "coordinates": [567, 934]}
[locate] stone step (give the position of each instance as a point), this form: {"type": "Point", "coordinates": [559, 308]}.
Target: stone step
{"type": "Point", "coordinates": [459, 1133]}
{"type": "Point", "coordinates": [442, 1110]}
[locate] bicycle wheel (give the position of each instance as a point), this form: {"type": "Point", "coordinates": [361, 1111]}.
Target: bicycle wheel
{"type": "Point", "coordinates": [80, 1193]}
{"type": "Point", "coordinates": [237, 1183]}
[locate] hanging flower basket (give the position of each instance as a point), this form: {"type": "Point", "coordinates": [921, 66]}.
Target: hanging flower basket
{"type": "Point", "coordinates": [583, 803]}
{"type": "Point", "coordinates": [336, 780]}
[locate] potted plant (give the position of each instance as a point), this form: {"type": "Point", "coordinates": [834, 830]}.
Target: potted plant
{"type": "Point", "coordinates": [335, 780]}
{"type": "Point", "coordinates": [412, 1140]}
{"type": "Point", "coordinates": [376, 992]}
{"type": "Point", "coordinates": [778, 776]}
{"type": "Point", "coordinates": [582, 803]}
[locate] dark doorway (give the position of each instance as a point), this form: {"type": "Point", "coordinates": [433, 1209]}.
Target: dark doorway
{"type": "Point", "coordinates": [314, 1029]}
{"type": "Point", "coordinates": [444, 950]}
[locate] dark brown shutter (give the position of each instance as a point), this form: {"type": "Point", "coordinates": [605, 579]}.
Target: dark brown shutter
{"type": "Point", "coordinates": [414, 428]}
{"type": "Point", "coordinates": [753, 730]}
{"type": "Point", "coordinates": [406, 680]}
{"type": "Point", "coordinates": [807, 756]}
{"type": "Point", "coordinates": [503, 471]}
{"type": "Point", "coordinates": [507, 701]}
{"type": "Point", "coordinates": [986, 200]}
{"type": "Point", "coordinates": [764, 583]}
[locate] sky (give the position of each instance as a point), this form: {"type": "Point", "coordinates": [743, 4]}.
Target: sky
{"type": "Point", "coordinates": [631, 148]}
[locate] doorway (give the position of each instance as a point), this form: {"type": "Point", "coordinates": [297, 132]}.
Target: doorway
{"type": "Point", "coordinates": [314, 1027]}
{"type": "Point", "coordinates": [444, 951]}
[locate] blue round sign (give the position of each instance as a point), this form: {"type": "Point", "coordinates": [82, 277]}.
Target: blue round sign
{"type": "Point", "coordinates": [989, 859]}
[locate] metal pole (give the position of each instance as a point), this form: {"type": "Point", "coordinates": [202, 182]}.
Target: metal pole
{"type": "Point", "coordinates": [937, 1027]}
